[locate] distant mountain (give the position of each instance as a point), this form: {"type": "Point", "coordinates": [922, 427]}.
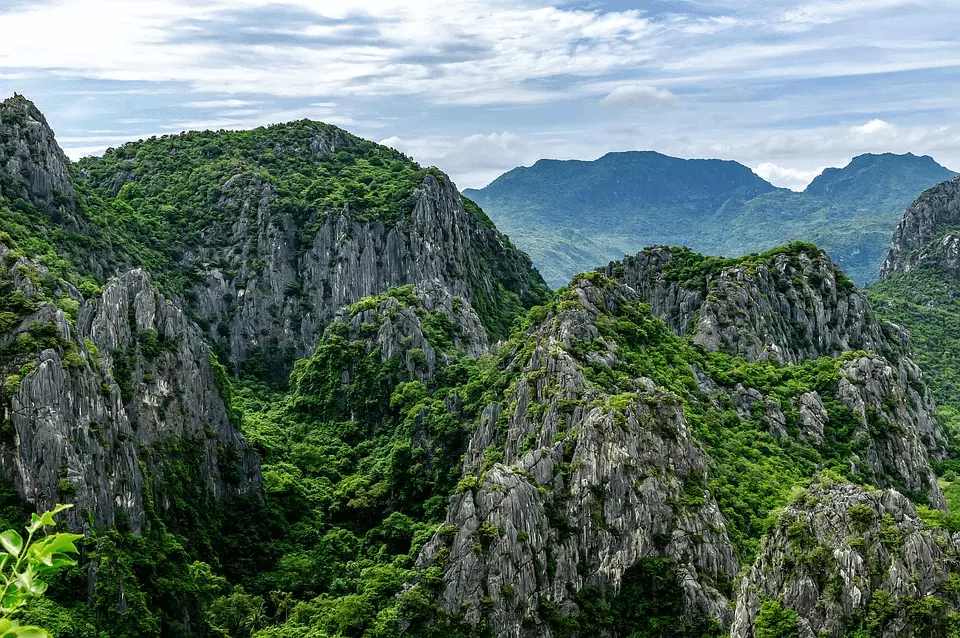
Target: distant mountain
{"type": "Point", "coordinates": [572, 215]}
{"type": "Point", "coordinates": [874, 182]}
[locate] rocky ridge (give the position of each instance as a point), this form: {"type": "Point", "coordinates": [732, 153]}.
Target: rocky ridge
{"type": "Point", "coordinates": [101, 393]}
{"type": "Point", "coordinates": [32, 165]}
{"type": "Point", "coordinates": [846, 559]}
{"type": "Point", "coordinates": [347, 260]}
{"type": "Point", "coordinates": [790, 304]}
{"type": "Point", "coordinates": [925, 237]}
{"type": "Point", "coordinates": [567, 486]}
{"type": "Point", "coordinates": [570, 481]}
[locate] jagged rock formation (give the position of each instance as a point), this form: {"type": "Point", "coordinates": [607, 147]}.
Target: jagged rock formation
{"type": "Point", "coordinates": [273, 261]}
{"type": "Point", "coordinates": [791, 305]}
{"type": "Point", "coordinates": [348, 259]}
{"type": "Point", "coordinates": [568, 486]}
{"type": "Point", "coordinates": [32, 165]}
{"type": "Point", "coordinates": [262, 263]}
{"type": "Point", "coordinates": [794, 305]}
{"type": "Point", "coordinates": [845, 559]}
{"type": "Point", "coordinates": [424, 324]}
{"type": "Point", "coordinates": [925, 235]}
{"type": "Point", "coordinates": [102, 394]}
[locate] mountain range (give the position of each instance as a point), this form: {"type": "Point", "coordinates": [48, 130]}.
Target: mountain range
{"type": "Point", "coordinates": [571, 216]}
{"type": "Point", "coordinates": [295, 384]}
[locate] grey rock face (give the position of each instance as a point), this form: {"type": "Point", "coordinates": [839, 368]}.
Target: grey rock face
{"type": "Point", "coordinates": [97, 407]}
{"type": "Point", "coordinates": [838, 551]}
{"type": "Point", "coordinates": [921, 237]}
{"type": "Point", "coordinates": [395, 323]}
{"type": "Point", "coordinates": [271, 298]}
{"type": "Point", "coordinates": [677, 305]}
{"type": "Point", "coordinates": [898, 424]}
{"type": "Point", "coordinates": [35, 167]}
{"type": "Point", "coordinates": [797, 306]}
{"type": "Point", "coordinates": [567, 487]}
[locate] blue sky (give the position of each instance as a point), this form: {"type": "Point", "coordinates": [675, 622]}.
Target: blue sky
{"type": "Point", "coordinates": [480, 86]}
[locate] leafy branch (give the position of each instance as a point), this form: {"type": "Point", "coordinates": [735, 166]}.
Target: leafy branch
{"type": "Point", "coordinates": [23, 565]}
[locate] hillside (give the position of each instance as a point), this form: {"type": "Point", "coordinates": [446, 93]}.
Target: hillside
{"type": "Point", "coordinates": [920, 290]}
{"type": "Point", "coordinates": [571, 216]}
{"type": "Point", "coordinates": [413, 437]}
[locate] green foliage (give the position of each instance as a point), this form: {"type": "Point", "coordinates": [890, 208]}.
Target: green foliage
{"type": "Point", "coordinates": [26, 566]}
{"type": "Point", "coordinates": [649, 605]}
{"type": "Point", "coordinates": [773, 621]}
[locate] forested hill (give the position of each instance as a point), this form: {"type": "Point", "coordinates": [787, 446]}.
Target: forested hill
{"type": "Point", "coordinates": [573, 215]}
{"type": "Point", "coordinates": [296, 385]}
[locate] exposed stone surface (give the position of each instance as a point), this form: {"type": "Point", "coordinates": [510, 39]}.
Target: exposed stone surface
{"type": "Point", "coordinates": [898, 423]}
{"type": "Point", "coordinates": [791, 307]}
{"type": "Point", "coordinates": [584, 487]}
{"type": "Point", "coordinates": [98, 403]}
{"type": "Point", "coordinates": [32, 165]}
{"type": "Point", "coordinates": [263, 282]}
{"type": "Point", "coordinates": [839, 551]}
{"type": "Point", "coordinates": [923, 236]}
{"type": "Point", "coordinates": [394, 323]}
{"type": "Point", "coordinates": [266, 296]}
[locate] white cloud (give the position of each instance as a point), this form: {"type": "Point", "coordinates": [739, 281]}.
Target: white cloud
{"type": "Point", "coordinates": [637, 96]}
{"type": "Point", "coordinates": [472, 161]}
{"type": "Point", "coordinates": [774, 84]}
{"type": "Point", "coordinates": [792, 178]}
{"type": "Point", "coordinates": [219, 104]}
{"type": "Point", "coordinates": [830, 11]}
{"type": "Point", "coordinates": [874, 126]}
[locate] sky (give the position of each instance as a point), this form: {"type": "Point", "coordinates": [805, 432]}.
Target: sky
{"type": "Point", "coordinates": [478, 87]}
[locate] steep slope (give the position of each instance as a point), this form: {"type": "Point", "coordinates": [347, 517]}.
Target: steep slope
{"type": "Point", "coordinates": [267, 233]}
{"type": "Point", "coordinates": [920, 290]}
{"type": "Point", "coordinates": [614, 444]}
{"type": "Point", "coordinates": [845, 561]}
{"type": "Point", "coordinates": [127, 277]}
{"type": "Point", "coordinates": [926, 236]}
{"type": "Point", "coordinates": [571, 216]}
{"type": "Point", "coordinates": [261, 235]}
{"type": "Point", "coordinates": [99, 392]}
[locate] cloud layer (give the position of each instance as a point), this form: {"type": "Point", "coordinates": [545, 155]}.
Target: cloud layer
{"type": "Point", "coordinates": [479, 86]}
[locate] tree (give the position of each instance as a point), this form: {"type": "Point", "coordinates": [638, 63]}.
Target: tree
{"type": "Point", "coordinates": [25, 564]}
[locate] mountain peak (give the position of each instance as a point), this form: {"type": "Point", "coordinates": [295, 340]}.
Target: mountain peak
{"type": "Point", "coordinates": [858, 180]}
{"type": "Point", "coordinates": [925, 235]}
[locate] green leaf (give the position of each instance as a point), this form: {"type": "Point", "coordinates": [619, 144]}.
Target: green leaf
{"type": "Point", "coordinates": [12, 542]}
{"type": "Point", "coordinates": [30, 632]}
{"type": "Point", "coordinates": [47, 549]}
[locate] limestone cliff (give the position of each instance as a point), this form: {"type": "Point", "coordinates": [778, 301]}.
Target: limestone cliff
{"type": "Point", "coordinates": [567, 486]}
{"type": "Point", "coordinates": [926, 236]}
{"type": "Point", "coordinates": [846, 559]}
{"type": "Point", "coordinates": [584, 466]}
{"type": "Point", "coordinates": [791, 304]}
{"type": "Point", "coordinates": [32, 165]}
{"type": "Point", "coordinates": [101, 393]}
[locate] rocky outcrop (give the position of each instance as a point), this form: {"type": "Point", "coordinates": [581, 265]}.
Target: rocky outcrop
{"type": "Point", "coordinates": [582, 469]}
{"type": "Point", "coordinates": [267, 272]}
{"type": "Point", "coordinates": [424, 325]}
{"type": "Point", "coordinates": [567, 487]}
{"type": "Point", "coordinates": [272, 299]}
{"type": "Point", "coordinates": [844, 558]}
{"type": "Point", "coordinates": [898, 429]}
{"type": "Point", "coordinates": [789, 304]}
{"type": "Point", "coordinates": [32, 165]}
{"type": "Point", "coordinates": [925, 236]}
{"type": "Point", "coordinates": [102, 395]}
